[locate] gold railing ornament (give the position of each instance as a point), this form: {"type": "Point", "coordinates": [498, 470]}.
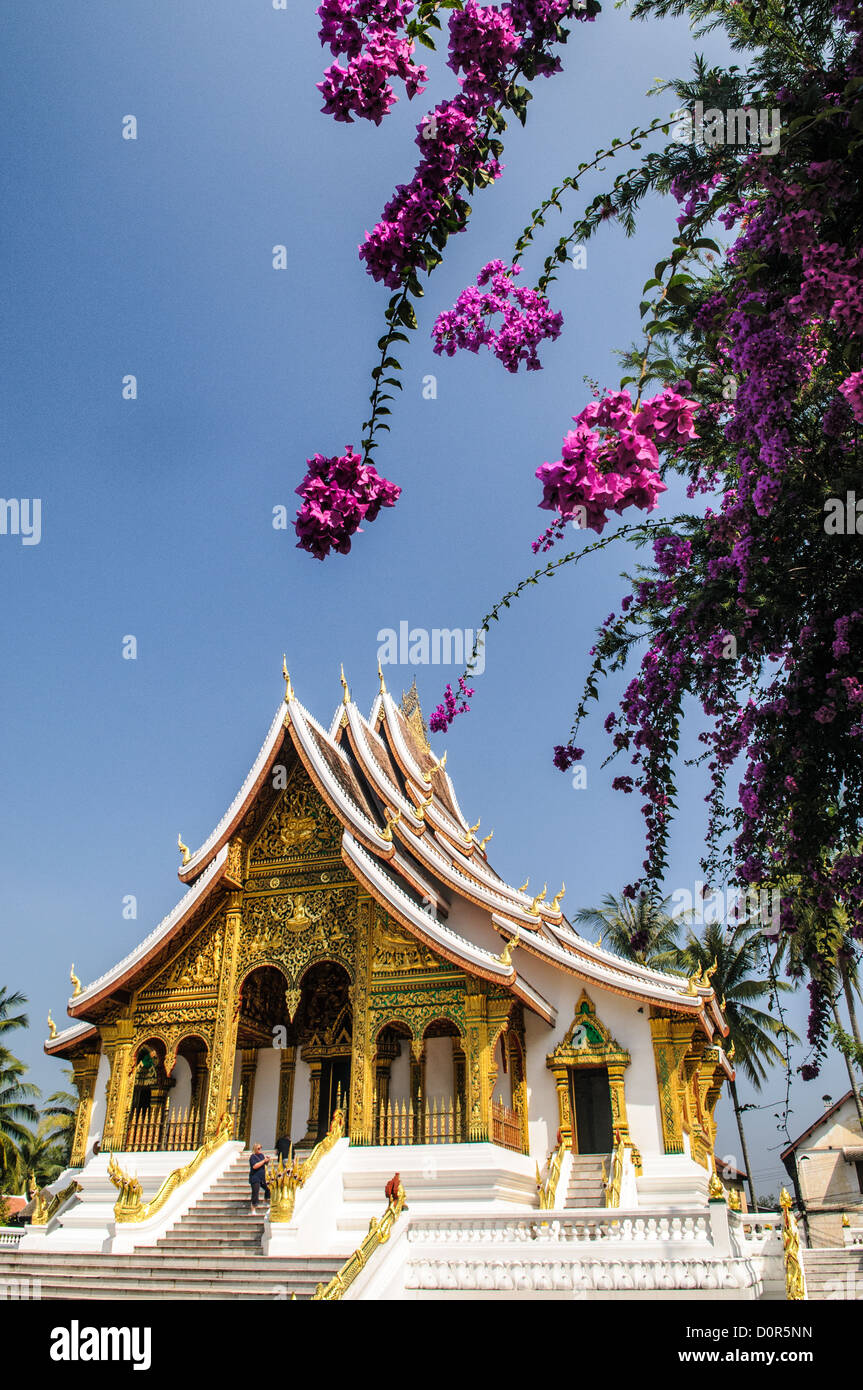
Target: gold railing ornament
{"type": "Point", "coordinates": [795, 1284]}
{"type": "Point", "coordinates": [285, 1181]}
{"type": "Point", "coordinates": [129, 1206]}
{"type": "Point", "coordinates": [47, 1203]}
{"type": "Point", "coordinates": [547, 1187]}
{"type": "Point", "coordinates": [378, 1234]}
{"type": "Point", "coordinates": [614, 1185]}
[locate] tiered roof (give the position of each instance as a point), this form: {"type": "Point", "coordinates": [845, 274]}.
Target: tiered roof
{"type": "Point", "coordinates": [405, 838]}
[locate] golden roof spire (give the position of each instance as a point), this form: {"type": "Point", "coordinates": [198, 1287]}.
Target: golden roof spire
{"type": "Point", "coordinates": [51, 1026]}
{"type": "Point", "coordinates": [289, 689]}
{"type": "Point", "coordinates": [483, 843]}
{"type": "Point", "coordinates": [558, 898]}
{"type": "Point", "coordinates": [184, 849]}
{"type": "Point", "coordinates": [346, 694]}
{"type": "Point", "coordinates": [381, 679]}
{"type": "Point", "coordinates": [75, 981]}
{"type": "Point", "coordinates": [523, 888]}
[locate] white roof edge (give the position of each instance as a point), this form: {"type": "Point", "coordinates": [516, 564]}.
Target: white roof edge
{"type": "Point", "coordinates": [614, 976]}
{"type": "Point", "coordinates": [67, 1035]}
{"type": "Point", "coordinates": [601, 954]}
{"type": "Point", "coordinates": [352, 813]}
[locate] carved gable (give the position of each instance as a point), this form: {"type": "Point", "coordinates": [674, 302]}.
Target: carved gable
{"type": "Point", "coordinates": [300, 827]}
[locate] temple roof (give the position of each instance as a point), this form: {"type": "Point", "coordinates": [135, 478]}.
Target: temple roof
{"type": "Point", "coordinates": [405, 838]}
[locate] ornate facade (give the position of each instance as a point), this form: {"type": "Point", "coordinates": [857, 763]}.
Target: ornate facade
{"type": "Point", "coordinates": [344, 940]}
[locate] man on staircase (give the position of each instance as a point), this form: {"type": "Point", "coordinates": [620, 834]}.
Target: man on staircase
{"type": "Point", "coordinates": [258, 1176]}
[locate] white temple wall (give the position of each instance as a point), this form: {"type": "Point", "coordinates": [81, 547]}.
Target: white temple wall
{"type": "Point", "coordinates": [439, 1069]}
{"type": "Point", "coordinates": [266, 1101]}
{"type": "Point", "coordinates": [630, 1028]}
{"type": "Point", "coordinates": [400, 1073]}
{"type": "Point", "coordinates": [473, 922]}
{"type": "Point", "coordinates": [180, 1094]}
{"type": "Point", "coordinates": [100, 1100]}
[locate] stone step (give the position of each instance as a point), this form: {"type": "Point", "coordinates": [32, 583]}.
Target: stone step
{"type": "Point", "coordinates": [134, 1263]}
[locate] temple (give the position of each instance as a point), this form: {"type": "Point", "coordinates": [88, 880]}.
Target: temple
{"type": "Point", "coordinates": [344, 946]}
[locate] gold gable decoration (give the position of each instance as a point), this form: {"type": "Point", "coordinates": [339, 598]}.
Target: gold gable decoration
{"type": "Point", "coordinates": [588, 1042]}
{"type": "Point", "coordinates": [299, 827]}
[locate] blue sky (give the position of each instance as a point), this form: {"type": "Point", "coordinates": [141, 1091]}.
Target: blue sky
{"type": "Point", "coordinates": [154, 257]}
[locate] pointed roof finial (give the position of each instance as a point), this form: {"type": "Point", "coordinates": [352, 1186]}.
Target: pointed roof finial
{"type": "Point", "coordinates": [505, 957]}
{"type": "Point", "coordinates": [483, 843]}
{"type": "Point", "coordinates": [523, 888]}
{"type": "Point", "coordinates": [51, 1026]}
{"type": "Point", "coordinates": [474, 828]}
{"type": "Point", "coordinates": [558, 898]}
{"type": "Point", "coordinates": [346, 694]}
{"type": "Point", "coordinates": [387, 832]}
{"type": "Point", "coordinates": [289, 689]}
{"type": "Point", "coordinates": [184, 849]}
{"type": "Point", "coordinates": [383, 684]}
{"type": "Point", "coordinates": [75, 981]}
{"type": "Point", "coordinates": [534, 907]}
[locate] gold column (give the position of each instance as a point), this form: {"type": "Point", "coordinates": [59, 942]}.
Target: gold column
{"type": "Point", "coordinates": [117, 1041]}
{"type": "Point", "coordinates": [710, 1079]}
{"type": "Point", "coordinates": [478, 1061]}
{"type": "Point", "coordinates": [360, 1117]}
{"type": "Point", "coordinates": [248, 1070]}
{"type": "Point", "coordinates": [418, 1088]}
{"type": "Point", "coordinates": [671, 1040]}
{"type": "Point", "coordinates": [459, 1065]}
{"type": "Point", "coordinates": [285, 1111]}
{"type": "Point", "coordinates": [311, 1135]}
{"type": "Point", "coordinates": [517, 1071]}
{"type": "Point", "coordinates": [85, 1069]}
{"type": "Point", "coordinates": [619, 1119]}
{"type": "Point", "coordinates": [564, 1110]}
{"type": "Point", "coordinates": [227, 1018]}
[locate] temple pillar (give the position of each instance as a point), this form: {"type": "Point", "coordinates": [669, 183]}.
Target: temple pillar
{"type": "Point", "coordinates": [360, 1106]}
{"type": "Point", "coordinates": [619, 1119]}
{"type": "Point", "coordinates": [311, 1134]}
{"type": "Point", "coordinates": [221, 1070]}
{"type": "Point", "coordinates": [459, 1063]}
{"type": "Point", "coordinates": [285, 1108]}
{"type": "Point", "coordinates": [248, 1068]}
{"type": "Point", "coordinates": [117, 1040]}
{"type": "Point", "coordinates": [85, 1070]}
{"type": "Point", "coordinates": [418, 1089]}
{"type": "Point", "coordinates": [519, 1088]}
{"type": "Point", "coordinates": [671, 1041]}
{"type": "Point", "coordinates": [478, 1061]}
{"type": "Point", "coordinates": [564, 1110]}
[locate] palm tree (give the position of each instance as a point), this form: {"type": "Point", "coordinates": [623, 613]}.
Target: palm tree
{"type": "Point", "coordinates": [739, 980]}
{"type": "Point", "coordinates": [641, 929]}
{"type": "Point", "coordinates": [38, 1157]}
{"type": "Point", "coordinates": [10, 1021]}
{"type": "Point", "coordinates": [17, 1110]}
{"type": "Point", "coordinates": [58, 1120]}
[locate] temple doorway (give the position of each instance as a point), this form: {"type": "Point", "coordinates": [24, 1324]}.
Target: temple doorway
{"type": "Point", "coordinates": [335, 1083]}
{"type": "Point", "coordinates": [590, 1096]}
{"type": "Point", "coordinates": [324, 1028]}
